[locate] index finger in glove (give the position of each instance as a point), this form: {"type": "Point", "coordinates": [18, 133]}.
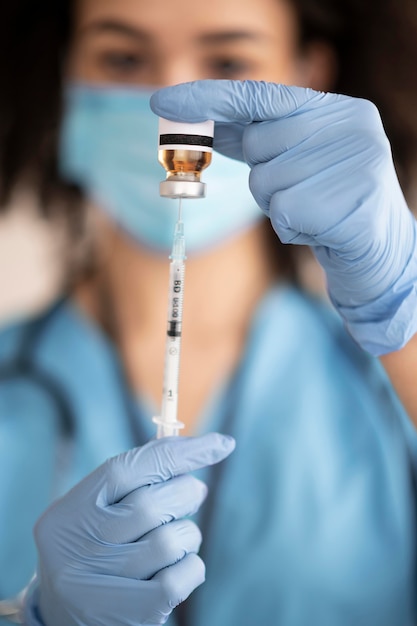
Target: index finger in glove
{"type": "Point", "coordinates": [158, 461]}
{"type": "Point", "coordinates": [240, 107]}
{"type": "Point", "coordinates": [233, 105]}
{"type": "Point", "coordinates": [230, 101]}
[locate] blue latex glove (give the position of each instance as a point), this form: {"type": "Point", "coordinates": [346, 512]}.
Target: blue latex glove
{"type": "Point", "coordinates": [322, 170]}
{"type": "Point", "coordinates": [117, 549]}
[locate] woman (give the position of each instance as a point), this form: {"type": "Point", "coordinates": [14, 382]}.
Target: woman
{"type": "Point", "coordinates": [303, 518]}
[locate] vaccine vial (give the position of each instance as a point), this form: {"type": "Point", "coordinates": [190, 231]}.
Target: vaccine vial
{"type": "Point", "coordinates": [184, 151]}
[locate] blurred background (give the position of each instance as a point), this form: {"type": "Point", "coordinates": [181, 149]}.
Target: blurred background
{"type": "Point", "coordinates": [32, 252]}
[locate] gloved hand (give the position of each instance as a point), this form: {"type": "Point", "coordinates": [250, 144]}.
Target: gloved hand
{"type": "Point", "coordinates": [116, 549]}
{"type": "Point", "coordinates": [322, 170]}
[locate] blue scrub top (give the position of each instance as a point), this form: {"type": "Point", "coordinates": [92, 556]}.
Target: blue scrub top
{"type": "Point", "coordinates": [310, 521]}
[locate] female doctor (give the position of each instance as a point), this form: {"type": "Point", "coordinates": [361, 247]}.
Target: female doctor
{"type": "Point", "coordinates": [311, 520]}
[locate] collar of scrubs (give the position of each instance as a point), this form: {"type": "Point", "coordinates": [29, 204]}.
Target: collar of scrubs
{"type": "Point", "coordinates": [74, 353]}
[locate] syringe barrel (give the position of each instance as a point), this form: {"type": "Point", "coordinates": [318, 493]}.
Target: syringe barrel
{"type": "Point", "coordinates": [173, 342]}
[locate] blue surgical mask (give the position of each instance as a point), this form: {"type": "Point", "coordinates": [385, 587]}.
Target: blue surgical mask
{"type": "Point", "coordinates": [109, 148]}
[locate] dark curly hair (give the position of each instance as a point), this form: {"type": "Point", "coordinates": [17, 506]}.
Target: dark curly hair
{"type": "Point", "coordinates": [34, 38]}
{"type": "Point", "coordinates": [375, 43]}
{"type": "Point", "coordinates": [376, 46]}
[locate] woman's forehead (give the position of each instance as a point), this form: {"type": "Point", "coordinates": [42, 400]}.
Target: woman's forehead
{"type": "Point", "coordinates": [185, 16]}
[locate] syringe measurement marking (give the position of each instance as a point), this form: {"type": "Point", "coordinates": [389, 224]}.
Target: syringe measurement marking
{"type": "Point", "coordinates": [175, 323]}
{"type": "Point", "coordinates": [174, 329]}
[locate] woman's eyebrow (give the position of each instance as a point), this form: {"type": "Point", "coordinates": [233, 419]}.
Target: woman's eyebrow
{"type": "Point", "coordinates": [114, 27]}
{"type": "Point", "coordinates": [230, 36]}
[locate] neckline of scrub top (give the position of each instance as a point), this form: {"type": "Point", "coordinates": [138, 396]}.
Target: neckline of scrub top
{"type": "Point", "coordinates": [211, 417]}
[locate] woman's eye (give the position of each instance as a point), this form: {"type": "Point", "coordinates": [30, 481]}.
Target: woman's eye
{"type": "Point", "coordinates": [229, 67]}
{"type": "Point", "coordinates": [121, 63]}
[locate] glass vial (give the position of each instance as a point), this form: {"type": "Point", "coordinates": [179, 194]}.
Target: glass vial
{"type": "Point", "coordinates": [184, 151]}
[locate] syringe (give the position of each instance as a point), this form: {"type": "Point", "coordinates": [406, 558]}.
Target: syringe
{"type": "Point", "coordinates": [167, 422]}
{"type": "Point", "coordinates": [184, 151]}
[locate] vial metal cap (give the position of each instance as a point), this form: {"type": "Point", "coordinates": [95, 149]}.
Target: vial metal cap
{"type": "Point", "coordinates": [182, 189]}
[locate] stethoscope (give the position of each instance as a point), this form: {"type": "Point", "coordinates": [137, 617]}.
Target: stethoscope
{"type": "Point", "coordinates": [24, 366]}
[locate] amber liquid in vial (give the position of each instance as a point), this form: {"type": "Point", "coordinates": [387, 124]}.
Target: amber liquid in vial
{"type": "Point", "coordinates": [184, 164]}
